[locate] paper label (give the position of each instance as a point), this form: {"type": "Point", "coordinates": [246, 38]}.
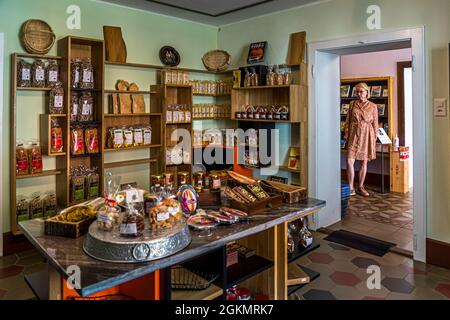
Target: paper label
{"type": "Point", "coordinates": [181, 116]}
{"type": "Point", "coordinates": [176, 117]}
{"type": "Point", "coordinates": [118, 137]}
{"type": "Point", "coordinates": [59, 101]}
{"type": "Point", "coordinates": [77, 77]}
{"type": "Point", "coordinates": [169, 116]}
{"type": "Point", "coordinates": [87, 76]}
{"type": "Point", "coordinates": [129, 228]}
{"type": "Point", "coordinates": [87, 109]}
{"type": "Point", "coordinates": [188, 116]}
{"type": "Point", "coordinates": [128, 137]}
{"type": "Point", "coordinates": [162, 216]}
{"type": "Point", "coordinates": [103, 218]}
{"type": "Point", "coordinates": [147, 137]}
{"type": "Point", "coordinates": [40, 75]}
{"type": "Point", "coordinates": [53, 76]}
{"type": "Point", "coordinates": [75, 109]}
{"type": "Point", "coordinates": [25, 74]}
{"type": "Point", "coordinates": [138, 136]}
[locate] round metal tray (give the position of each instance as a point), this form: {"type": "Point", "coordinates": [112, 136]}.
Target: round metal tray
{"type": "Point", "coordinates": [152, 245]}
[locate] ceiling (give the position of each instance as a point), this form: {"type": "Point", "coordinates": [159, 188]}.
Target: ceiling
{"type": "Point", "coordinates": [213, 12]}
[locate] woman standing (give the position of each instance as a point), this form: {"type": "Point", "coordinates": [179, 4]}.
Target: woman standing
{"type": "Point", "coordinates": [361, 129]}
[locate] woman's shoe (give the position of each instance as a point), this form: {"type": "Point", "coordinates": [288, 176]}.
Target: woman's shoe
{"type": "Point", "coordinates": [363, 191]}
{"type": "Point", "coordinates": [352, 192]}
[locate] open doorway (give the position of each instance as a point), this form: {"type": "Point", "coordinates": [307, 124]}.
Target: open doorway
{"type": "Point", "coordinates": [325, 151]}
{"type": "Point", "coordinates": [381, 205]}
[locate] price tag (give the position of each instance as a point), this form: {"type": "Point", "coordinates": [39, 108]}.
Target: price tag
{"type": "Point", "coordinates": [129, 228]}
{"type": "Point", "coordinates": [133, 196]}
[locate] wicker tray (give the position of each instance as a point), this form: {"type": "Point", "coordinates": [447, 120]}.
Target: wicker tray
{"type": "Point", "coordinates": [216, 60]}
{"type": "Point", "coordinates": [37, 36]}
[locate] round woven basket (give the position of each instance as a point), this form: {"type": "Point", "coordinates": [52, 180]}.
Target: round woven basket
{"type": "Point", "coordinates": [216, 60]}
{"type": "Point", "coordinates": [37, 36]}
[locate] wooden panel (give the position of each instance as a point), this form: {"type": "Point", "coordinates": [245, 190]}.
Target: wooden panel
{"type": "Point", "coordinates": [399, 174]}
{"type": "Point", "coordinates": [297, 47]}
{"type": "Point", "coordinates": [12, 144]}
{"type": "Point", "coordinates": [281, 262]}
{"type": "Point", "coordinates": [45, 133]}
{"type": "Point", "coordinates": [438, 253]}
{"type": "Point", "coordinates": [55, 284]}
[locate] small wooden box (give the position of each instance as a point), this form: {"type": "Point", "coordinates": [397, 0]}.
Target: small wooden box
{"type": "Point", "coordinates": [274, 201]}
{"type": "Point", "coordinates": [209, 199]}
{"type": "Point", "coordinates": [291, 194]}
{"type": "Point", "coordinates": [53, 227]}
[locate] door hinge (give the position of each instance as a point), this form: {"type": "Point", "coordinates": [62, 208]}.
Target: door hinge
{"type": "Point", "coordinates": [313, 71]}
{"type": "Point", "coordinates": [415, 242]}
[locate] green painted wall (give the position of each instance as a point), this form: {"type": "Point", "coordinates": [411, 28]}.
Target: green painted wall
{"type": "Point", "coordinates": [345, 18]}
{"type": "Point", "coordinates": [144, 33]}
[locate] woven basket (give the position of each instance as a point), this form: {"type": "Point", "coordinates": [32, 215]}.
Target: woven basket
{"type": "Point", "coordinates": [216, 60]}
{"type": "Point", "coordinates": [37, 36]}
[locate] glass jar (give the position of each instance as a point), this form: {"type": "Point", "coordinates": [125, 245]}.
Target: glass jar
{"type": "Point", "coordinates": [183, 178]}
{"type": "Point", "coordinates": [168, 179]}
{"type": "Point", "coordinates": [21, 159]}
{"type": "Point", "coordinates": [157, 180]}
{"type": "Point", "coordinates": [198, 181]}
{"type": "Point", "coordinates": [35, 157]}
{"type": "Point", "coordinates": [214, 182]}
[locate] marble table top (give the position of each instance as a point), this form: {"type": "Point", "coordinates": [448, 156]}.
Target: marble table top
{"type": "Point", "coordinates": [97, 275]}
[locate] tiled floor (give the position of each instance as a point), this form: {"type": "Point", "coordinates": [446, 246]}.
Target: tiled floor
{"type": "Point", "coordinates": [385, 217]}
{"type": "Point", "coordinates": [343, 275]}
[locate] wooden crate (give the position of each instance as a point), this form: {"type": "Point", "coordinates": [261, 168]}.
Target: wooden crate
{"type": "Point", "coordinates": [53, 227]}
{"type": "Point", "coordinates": [209, 199]}
{"type": "Point", "coordinates": [290, 193]}
{"type": "Point", "coordinates": [274, 201]}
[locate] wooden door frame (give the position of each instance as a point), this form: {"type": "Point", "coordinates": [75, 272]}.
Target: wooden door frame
{"type": "Point", "coordinates": [2, 211]}
{"type": "Point", "coordinates": [401, 66]}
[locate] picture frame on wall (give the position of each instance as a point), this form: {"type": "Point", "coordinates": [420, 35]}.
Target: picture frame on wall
{"type": "Point", "coordinates": [344, 109]}
{"type": "Point", "coordinates": [385, 93]}
{"type": "Point", "coordinates": [376, 91]}
{"type": "Point", "coordinates": [381, 109]}
{"type": "Point", "coordinates": [354, 95]}
{"type": "Point", "coordinates": [345, 91]}
{"type": "Point", "coordinates": [257, 52]}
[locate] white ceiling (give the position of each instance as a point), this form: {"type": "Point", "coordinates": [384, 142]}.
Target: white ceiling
{"type": "Point", "coordinates": [213, 12]}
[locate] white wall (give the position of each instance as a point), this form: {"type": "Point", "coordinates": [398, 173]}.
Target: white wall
{"type": "Point", "coordinates": [1, 139]}
{"type": "Point", "coordinates": [409, 120]}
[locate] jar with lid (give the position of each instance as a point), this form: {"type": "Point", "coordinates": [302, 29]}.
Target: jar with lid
{"type": "Point", "coordinates": [21, 159]}
{"type": "Point", "coordinates": [34, 157]}
{"type": "Point", "coordinates": [198, 181]}
{"type": "Point", "coordinates": [168, 179]}
{"type": "Point", "coordinates": [214, 182]}
{"type": "Point", "coordinates": [75, 72]}
{"type": "Point", "coordinates": [157, 180]}
{"type": "Point", "coordinates": [183, 178]}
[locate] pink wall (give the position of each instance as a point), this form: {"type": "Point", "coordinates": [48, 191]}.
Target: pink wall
{"type": "Point", "coordinates": [375, 64]}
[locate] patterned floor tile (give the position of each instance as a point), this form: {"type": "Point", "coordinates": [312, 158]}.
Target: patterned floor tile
{"type": "Point", "coordinates": [372, 298]}
{"type": "Point", "coordinates": [7, 261]}
{"type": "Point", "coordinates": [346, 293]}
{"type": "Point", "coordinates": [2, 293]}
{"type": "Point", "coordinates": [444, 289]}
{"type": "Point", "coordinates": [397, 285]}
{"type": "Point", "coordinates": [30, 260]}
{"type": "Point", "coordinates": [343, 265]}
{"type": "Point", "coordinates": [423, 281]}
{"type": "Point", "coordinates": [363, 288]}
{"type": "Point", "coordinates": [428, 294]}
{"type": "Point", "coordinates": [35, 268]}
{"type": "Point", "coordinates": [14, 282]}
{"type": "Point", "coordinates": [10, 271]}
{"type": "Point", "coordinates": [315, 294]}
{"type": "Point", "coordinates": [399, 296]}
{"type": "Point", "coordinates": [363, 262]}
{"type": "Point", "coordinates": [345, 279]}
{"type": "Point", "coordinates": [23, 293]}
{"type": "Point", "coordinates": [440, 272]}
{"type": "Point", "coordinates": [318, 257]}
{"type": "Point", "coordinates": [393, 271]}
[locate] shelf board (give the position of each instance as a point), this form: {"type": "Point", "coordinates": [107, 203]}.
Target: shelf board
{"type": "Point", "coordinates": [32, 89]}
{"type": "Point", "coordinates": [210, 293]}
{"type": "Point", "coordinates": [127, 92]}
{"type": "Point", "coordinates": [38, 56]}
{"type": "Point", "coordinates": [129, 163]}
{"type": "Point", "coordinates": [313, 275]}
{"type": "Point", "coordinates": [134, 148]}
{"type": "Point", "coordinates": [285, 168]}
{"type": "Point", "coordinates": [177, 85]}
{"type": "Point", "coordinates": [160, 67]}
{"type": "Point", "coordinates": [109, 115]}
{"type": "Point", "coordinates": [85, 90]}
{"type": "Point", "coordinates": [213, 146]}
{"type": "Point", "coordinates": [214, 119]}
{"type": "Point", "coordinates": [211, 95]}
{"type": "Point", "coordinates": [262, 87]}
{"type": "Point", "coordinates": [42, 174]}
{"type": "Point", "coordinates": [38, 283]}
{"type": "Point", "coordinates": [300, 252]}
{"type": "Point", "coordinates": [262, 120]}
{"type": "Point", "coordinates": [176, 123]}
{"type": "Point", "coordinates": [245, 269]}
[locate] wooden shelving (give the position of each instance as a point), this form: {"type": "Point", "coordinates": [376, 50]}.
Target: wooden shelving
{"type": "Point", "coordinates": [134, 148]}
{"type": "Point", "coordinates": [313, 275]}
{"type": "Point", "coordinates": [127, 92]}
{"type": "Point", "coordinates": [300, 252]}
{"type": "Point", "coordinates": [42, 174]}
{"type": "Point", "coordinates": [129, 163]}
{"type": "Point", "coordinates": [285, 168]}
{"type": "Point", "coordinates": [261, 87]}
{"type": "Point", "coordinates": [32, 89]}
{"type": "Point", "coordinates": [246, 269]}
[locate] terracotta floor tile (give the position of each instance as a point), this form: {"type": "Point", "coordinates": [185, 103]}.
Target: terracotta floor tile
{"type": "Point", "coordinates": [3, 293]}
{"type": "Point", "coordinates": [364, 263]}
{"type": "Point", "coordinates": [428, 294]}
{"type": "Point", "coordinates": [345, 279]}
{"type": "Point", "coordinates": [444, 289]}
{"type": "Point", "coordinates": [10, 271]}
{"type": "Point", "coordinates": [8, 261]}
{"type": "Point", "coordinates": [23, 293]}
{"type": "Point", "coordinates": [14, 282]}
{"type": "Point", "coordinates": [399, 296]}
{"type": "Point", "coordinates": [318, 257]}
{"type": "Point", "coordinates": [346, 293]}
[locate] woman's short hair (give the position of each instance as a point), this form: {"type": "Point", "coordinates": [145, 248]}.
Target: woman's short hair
{"type": "Point", "coordinates": [364, 86]}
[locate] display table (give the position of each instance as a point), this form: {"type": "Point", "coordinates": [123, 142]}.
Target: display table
{"type": "Point", "coordinates": [266, 233]}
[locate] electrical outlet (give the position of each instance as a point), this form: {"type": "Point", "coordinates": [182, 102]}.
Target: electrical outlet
{"type": "Point", "coordinates": [440, 107]}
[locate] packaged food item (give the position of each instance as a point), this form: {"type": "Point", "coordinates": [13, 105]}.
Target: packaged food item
{"type": "Point", "coordinates": [128, 137]}
{"type": "Point", "coordinates": [77, 143]}
{"type": "Point", "coordinates": [115, 138]}
{"type": "Point", "coordinates": [157, 180]}
{"type": "Point", "coordinates": [56, 137]}
{"type": "Point", "coordinates": [22, 208]}
{"type": "Point", "coordinates": [86, 104]}
{"type": "Point", "coordinates": [305, 236]}
{"type": "Point", "coordinates": [91, 140]}
{"type": "Point", "coordinates": [50, 204]}
{"type": "Point", "coordinates": [165, 214]}
{"type": "Point", "coordinates": [38, 74]}
{"type": "Point", "coordinates": [21, 159]}
{"type": "Point", "coordinates": [34, 157]}
{"type": "Point", "coordinates": [23, 73]}
{"type": "Point", "coordinates": [198, 181]}
{"type": "Point", "coordinates": [36, 206]}
{"type": "Point", "coordinates": [107, 218]}
{"type": "Point", "coordinates": [287, 77]}
{"type": "Point", "coordinates": [290, 243]}
{"type": "Point", "coordinates": [77, 186]}
{"type": "Point", "coordinates": [56, 101]}
{"type": "Point", "coordinates": [52, 74]}
{"type": "Point", "coordinates": [271, 76]}
{"type": "Point", "coordinates": [92, 184]}
{"type": "Point", "coordinates": [87, 75]}
{"type": "Point", "coordinates": [147, 132]}
{"type": "Point", "coordinates": [75, 71]}
{"type": "Point", "coordinates": [138, 138]}
{"type": "Point", "coordinates": [132, 224]}
{"type": "Point", "coordinates": [74, 106]}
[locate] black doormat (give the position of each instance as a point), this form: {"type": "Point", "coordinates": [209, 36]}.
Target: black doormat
{"type": "Point", "coordinates": [360, 242]}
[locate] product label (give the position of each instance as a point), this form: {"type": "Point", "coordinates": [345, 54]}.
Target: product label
{"type": "Point", "coordinates": [188, 116]}
{"type": "Point", "coordinates": [56, 143]}
{"type": "Point", "coordinates": [138, 136]}
{"type": "Point", "coordinates": [87, 109]}
{"type": "Point", "coordinates": [162, 216]}
{"type": "Point", "coordinates": [169, 116]}
{"type": "Point", "coordinates": [79, 145]}
{"type": "Point", "coordinates": [216, 184]}
{"type": "Point", "coordinates": [50, 212]}
{"type": "Point", "coordinates": [129, 228]}
{"type": "Point", "coordinates": [37, 213]}
{"type": "Point", "coordinates": [93, 190]}
{"type": "Point", "coordinates": [40, 75]}
{"type": "Point", "coordinates": [181, 116]}
{"type": "Point", "coordinates": [74, 109]}
{"type": "Point", "coordinates": [77, 77]}
{"type": "Point", "coordinates": [36, 164]}
{"type": "Point", "coordinates": [93, 144]}
{"type": "Point", "coordinates": [22, 215]}
{"type": "Point", "coordinates": [147, 137]}
{"type": "Point", "coordinates": [22, 165]}
{"type": "Point", "coordinates": [118, 137]}
{"type": "Point", "coordinates": [103, 217]}
{"type": "Point", "coordinates": [128, 137]}
{"type": "Point", "coordinates": [176, 117]}
{"type": "Point", "coordinates": [53, 76]}
{"type": "Point", "coordinates": [79, 193]}
{"type": "Point", "coordinates": [25, 74]}
{"type": "Point", "coordinates": [59, 101]}
{"type": "Point", "coordinates": [87, 76]}
{"type": "Point", "coordinates": [133, 196]}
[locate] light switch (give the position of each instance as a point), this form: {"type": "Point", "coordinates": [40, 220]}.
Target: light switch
{"type": "Point", "coordinates": [440, 107]}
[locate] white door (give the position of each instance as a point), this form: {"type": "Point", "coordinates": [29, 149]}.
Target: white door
{"type": "Point", "coordinates": [1, 146]}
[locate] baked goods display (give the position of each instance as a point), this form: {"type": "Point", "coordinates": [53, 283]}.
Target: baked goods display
{"type": "Point", "coordinates": [165, 214]}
